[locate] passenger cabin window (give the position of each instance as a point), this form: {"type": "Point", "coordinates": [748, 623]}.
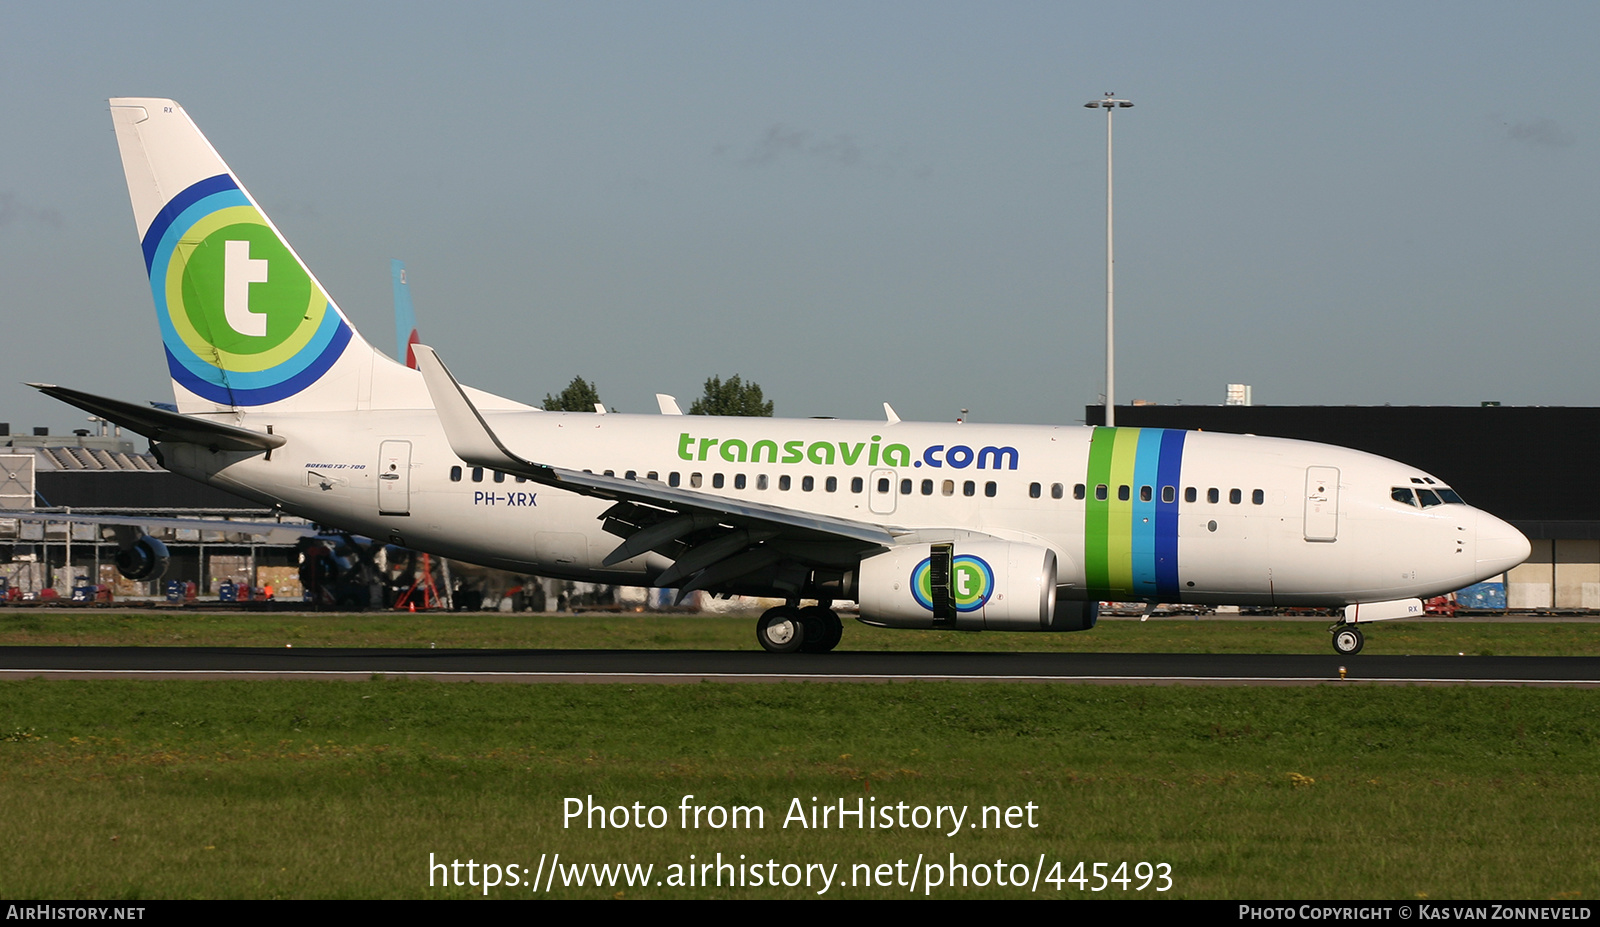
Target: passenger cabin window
{"type": "Point", "coordinates": [856, 484]}
{"type": "Point", "coordinates": [1124, 493]}
{"type": "Point", "coordinates": [1213, 495]}
{"type": "Point", "coordinates": [832, 484]}
{"type": "Point", "coordinates": [1057, 490]}
{"type": "Point", "coordinates": [477, 474]}
{"type": "Point", "coordinates": [1190, 494]}
{"type": "Point", "coordinates": [948, 487]}
{"type": "Point", "coordinates": [883, 484]}
{"type": "Point", "coordinates": [1100, 492]}
{"type": "Point", "coordinates": [499, 476]}
{"type": "Point", "coordinates": [969, 488]}
{"type": "Point", "coordinates": [738, 481]}
{"type": "Point", "coordinates": [808, 483]}
{"type": "Point", "coordinates": [1035, 490]}
{"type": "Point", "coordinates": [1258, 497]}
{"type": "Point", "coordinates": [1235, 496]}
{"type": "Point", "coordinates": [455, 474]}
{"type": "Point", "coordinates": [927, 487]}
{"type": "Point", "coordinates": [989, 489]}
{"type": "Point", "coordinates": [694, 481]}
{"type": "Point", "coordinates": [716, 481]}
{"type": "Point", "coordinates": [1078, 491]}
{"type": "Point", "coordinates": [631, 475]}
{"type": "Point", "coordinates": [783, 483]}
{"type": "Point", "coordinates": [905, 487]}
{"type": "Point", "coordinates": [1169, 494]}
{"type": "Point", "coordinates": [761, 481]}
{"type": "Point", "coordinates": [673, 479]}
{"type": "Point", "coordinates": [1145, 494]}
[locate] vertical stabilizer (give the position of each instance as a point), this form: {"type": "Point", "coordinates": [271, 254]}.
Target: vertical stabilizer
{"type": "Point", "coordinates": [245, 324]}
{"type": "Point", "coordinates": [405, 316]}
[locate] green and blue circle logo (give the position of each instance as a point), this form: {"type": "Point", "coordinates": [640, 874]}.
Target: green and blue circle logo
{"type": "Point", "coordinates": [242, 321]}
{"type": "Point", "coordinates": [971, 583]}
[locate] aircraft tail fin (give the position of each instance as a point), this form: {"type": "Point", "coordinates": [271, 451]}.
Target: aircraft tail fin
{"type": "Point", "coordinates": [405, 316]}
{"type": "Point", "coordinates": [245, 324]}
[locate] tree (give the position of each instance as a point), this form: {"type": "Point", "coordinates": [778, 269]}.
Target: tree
{"type": "Point", "coordinates": [733, 397]}
{"type": "Point", "coordinates": [579, 396]}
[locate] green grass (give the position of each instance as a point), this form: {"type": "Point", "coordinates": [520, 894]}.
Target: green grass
{"type": "Point", "coordinates": [284, 789]}
{"type": "Point", "coordinates": [686, 632]}
{"type": "Point", "coordinates": [342, 790]}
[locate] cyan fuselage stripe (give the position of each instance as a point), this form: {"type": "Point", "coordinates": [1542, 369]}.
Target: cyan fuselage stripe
{"type": "Point", "coordinates": [1146, 469]}
{"type": "Point", "coordinates": [1131, 544]}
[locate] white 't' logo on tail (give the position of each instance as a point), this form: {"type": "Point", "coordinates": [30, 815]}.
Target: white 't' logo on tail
{"type": "Point", "coordinates": [239, 270]}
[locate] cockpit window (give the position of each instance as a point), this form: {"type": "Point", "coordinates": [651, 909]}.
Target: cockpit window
{"type": "Point", "coordinates": [1427, 498]}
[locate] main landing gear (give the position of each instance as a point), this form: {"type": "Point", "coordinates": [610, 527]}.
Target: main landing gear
{"type": "Point", "coordinates": [1347, 638]}
{"type": "Point", "coordinates": [789, 628]}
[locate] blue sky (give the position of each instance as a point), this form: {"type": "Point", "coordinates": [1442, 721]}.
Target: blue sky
{"type": "Point", "coordinates": [1344, 203]}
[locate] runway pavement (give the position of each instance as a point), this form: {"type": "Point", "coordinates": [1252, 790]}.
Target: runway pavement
{"type": "Point", "coordinates": [656, 666]}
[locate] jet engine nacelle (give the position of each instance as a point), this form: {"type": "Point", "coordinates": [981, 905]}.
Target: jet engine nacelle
{"type": "Point", "coordinates": [994, 585]}
{"type": "Point", "coordinates": [1074, 615]}
{"type": "Point", "coordinates": [144, 559]}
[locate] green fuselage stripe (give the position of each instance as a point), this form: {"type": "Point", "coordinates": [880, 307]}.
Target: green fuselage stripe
{"type": "Point", "coordinates": [1097, 512]}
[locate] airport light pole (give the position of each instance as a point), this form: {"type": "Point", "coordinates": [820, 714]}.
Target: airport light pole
{"type": "Point", "coordinates": [1108, 104]}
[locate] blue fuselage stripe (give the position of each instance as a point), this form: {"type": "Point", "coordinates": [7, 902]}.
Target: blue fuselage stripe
{"type": "Point", "coordinates": [1171, 474]}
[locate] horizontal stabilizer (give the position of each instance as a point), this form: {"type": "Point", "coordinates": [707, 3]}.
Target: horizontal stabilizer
{"type": "Point", "coordinates": [160, 425]}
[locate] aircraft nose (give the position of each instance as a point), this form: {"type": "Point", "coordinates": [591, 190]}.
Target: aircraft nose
{"type": "Point", "coordinates": [1500, 546]}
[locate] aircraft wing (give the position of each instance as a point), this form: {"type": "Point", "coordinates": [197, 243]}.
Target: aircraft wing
{"type": "Point", "coordinates": [713, 539]}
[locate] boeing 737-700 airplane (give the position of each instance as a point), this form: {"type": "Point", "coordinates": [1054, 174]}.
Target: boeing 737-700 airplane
{"type": "Point", "coordinates": [923, 525]}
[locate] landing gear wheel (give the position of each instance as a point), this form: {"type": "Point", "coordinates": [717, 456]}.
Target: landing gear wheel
{"type": "Point", "coordinates": [823, 629]}
{"type": "Point", "coordinates": [781, 630]}
{"type": "Point", "coordinates": [1348, 640]}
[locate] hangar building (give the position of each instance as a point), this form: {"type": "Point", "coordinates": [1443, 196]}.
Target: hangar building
{"type": "Point", "coordinates": [105, 473]}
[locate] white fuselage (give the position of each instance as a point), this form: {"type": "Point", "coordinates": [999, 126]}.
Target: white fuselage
{"type": "Point", "coordinates": [1292, 522]}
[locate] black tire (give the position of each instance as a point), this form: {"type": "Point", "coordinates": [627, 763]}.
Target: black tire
{"type": "Point", "coordinates": [824, 630]}
{"type": "Point", "coordinates": [1348, 640]}
{"type": "Point", "coordinates": [781, 630]}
